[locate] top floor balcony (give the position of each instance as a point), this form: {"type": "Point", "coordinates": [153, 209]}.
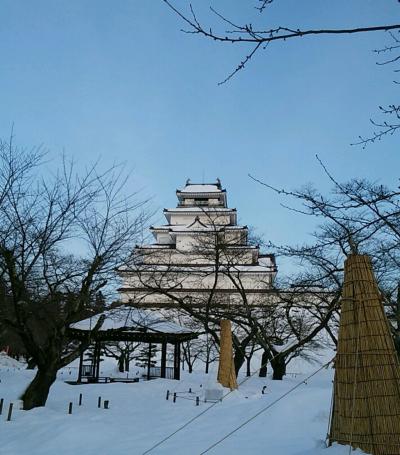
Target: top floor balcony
{"type": "Point", "coordinates": [201, 203]}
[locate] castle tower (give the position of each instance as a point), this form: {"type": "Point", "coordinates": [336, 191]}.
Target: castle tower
{"type": "Point", "coordinates": [197, 252]}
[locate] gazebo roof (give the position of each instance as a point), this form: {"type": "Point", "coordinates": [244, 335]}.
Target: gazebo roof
{"type": "Point", "coordinates": [131, 324]}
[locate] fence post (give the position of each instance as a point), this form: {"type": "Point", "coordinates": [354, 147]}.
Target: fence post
{"type": "Point", "coordinates": [99, 402]}
{"type": "Point", "coordinates": [174, 399]}
{"type": "Point", "coordinates": [70, 408]}
{"type": "Point", "coordinates": [167, 397]}
{"type": "Point", "coordinates": [80, 400]}
{"type": "Point", "coordinates": [106, 402]}
{"type": "Point", "coordinates": [197, 401]}
{"type": "Point", "coordinates": [1, 406]}
{"type": "Point", "coordinates": [10, 409]}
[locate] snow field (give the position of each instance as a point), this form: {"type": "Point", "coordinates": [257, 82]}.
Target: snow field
{"type": "Point", "coordinates": [140, 416]}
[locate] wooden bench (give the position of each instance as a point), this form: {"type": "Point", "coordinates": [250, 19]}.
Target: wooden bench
{"type": "Point", "coordinates": [92, 380]}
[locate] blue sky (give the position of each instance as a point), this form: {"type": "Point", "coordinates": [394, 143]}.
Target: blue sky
{"type": "Point", "coordinates": [118, 80]}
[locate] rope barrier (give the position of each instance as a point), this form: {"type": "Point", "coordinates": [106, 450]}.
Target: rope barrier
{"type": "Point", "coordinates": [212, 405]}
{"type": "Point", "coordinates": [264, 409]}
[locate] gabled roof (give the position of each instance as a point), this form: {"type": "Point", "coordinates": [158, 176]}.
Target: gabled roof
{"type": "Point", "coordinates": [197, 224]}
{"type": "Point", "coordinates": [125, 319]}
{"type": "Point", "coordinates": [131, 324]}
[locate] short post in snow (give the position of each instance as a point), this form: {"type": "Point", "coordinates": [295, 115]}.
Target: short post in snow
{"type": "Point", "coordinates": [70, 408]}
{"type": "Point", "coordinates": [106, 403]}
{"type": "Point", "coordinates": [10, 409]}
{"type": "Point", "coordinates": [1, 406]}
{"type": "Point", "coordinates": [174, 399]}
{"type": "Point", "coordinates": [167, 396]}
{"type": "Point", "coordinates": [99, 402]}
{"type": "Point", "coordinates": [197, 401]}
{"type": "Point", "coordinates": [80, 400]}
{"type": "Point", "coordinates": [263, 389]}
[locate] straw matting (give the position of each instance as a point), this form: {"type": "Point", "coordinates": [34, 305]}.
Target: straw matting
{"type": "Point", "coordinates": [226, 369]}
{"type": "Point", "coordinates": [366, 402]}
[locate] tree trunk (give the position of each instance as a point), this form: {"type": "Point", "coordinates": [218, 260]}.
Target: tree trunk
{"type": "Point", "coordinates": [121, 363]}
{"type": "Point", "coordinates": [279, 367]}
{"type": "Point", "coordinates": [248, 369]}
{"type": "Point", "coordinates": [207, 360]}
{"type": "Point", "coordinates": [264, 363]}
{"type": "Point", "coordinates": [31, 364]}
{"type": "Point", "coordinates": [127, 362]}
{"type": "Point", "coordinates": [38, 390]}
{"type": "Point", "coordinates": [190, 368]}
{"type": "Point", "coordinates": [239, 360]}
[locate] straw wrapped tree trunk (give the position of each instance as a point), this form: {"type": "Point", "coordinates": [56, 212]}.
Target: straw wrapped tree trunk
{"type": "Point", "coordinates": [226, 370]}
{"type": "Point", "coordinates": [366, 403]}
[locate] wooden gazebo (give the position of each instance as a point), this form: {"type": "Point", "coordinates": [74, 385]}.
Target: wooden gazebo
{"type": "Point", "coordinates": [130, 324]}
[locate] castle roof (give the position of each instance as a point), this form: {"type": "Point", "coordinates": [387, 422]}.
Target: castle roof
{"type": "Point", "coordinates": [201, 188]}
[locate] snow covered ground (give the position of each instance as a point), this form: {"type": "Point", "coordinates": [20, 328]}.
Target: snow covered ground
{"type": "Point", "coordinates": [140, 416]}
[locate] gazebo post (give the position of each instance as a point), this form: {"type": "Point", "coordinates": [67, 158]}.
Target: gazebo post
{"type": "Point", "coordinates": [80, 368]}
{"type": "Point", "coordinates": [94, 358]}
{"type": "Point", "coordinates": [149, 363]}
{"type": "Point", "coordinates": [97, 357]}
{"type": "Point", "coordinates": [177, 360]}
{"type": "Point", "coordinates": [163, 358]}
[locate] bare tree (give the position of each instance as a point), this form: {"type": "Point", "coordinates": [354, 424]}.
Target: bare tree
{"type": "Point", "coordinates": [390, 114]}
{"type": "Point", "coordinates": [214, 284]}
{"type": "Point", "coordinates": [123, 351]}
{"type": "Point", "coordinates": [219, 27]}
{"type": "Point", "coordinates": [61, 237]}
{"type": "Point", "coordinates": [246, 35]}
{"type": "Point", "coordinates": [357, 216]}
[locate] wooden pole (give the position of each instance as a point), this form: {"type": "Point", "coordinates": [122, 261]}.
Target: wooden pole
{"type": "Point", "coordinates": [94, 359]}
{"type": "Point", "coordinates": [80, 368]}
{"type": "Point", "coordinates": [10, 409]}
{"type": "Point", "coordinates": [149, 363]}
{"type": "Point", "coordinates": [177, 360]}
{"type": "Point", "coordinates": [98, 350]}
{"type": "Point", "coordinates": [163, 359]}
